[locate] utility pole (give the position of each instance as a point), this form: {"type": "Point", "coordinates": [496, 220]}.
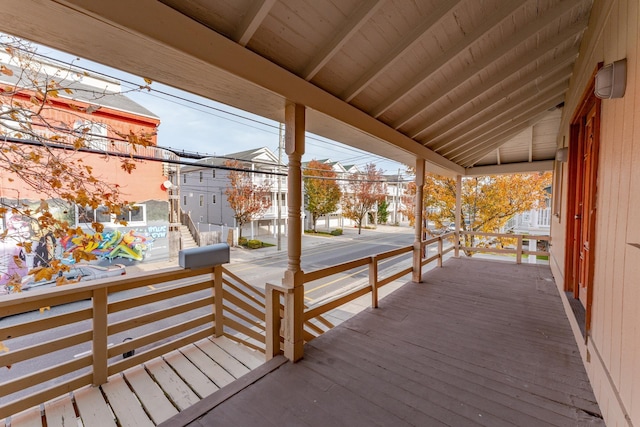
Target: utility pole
{"type": "Point", "coordinates": [278, 196]}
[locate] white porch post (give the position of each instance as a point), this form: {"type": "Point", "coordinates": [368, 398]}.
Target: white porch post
{"type": "Point", "coordinates": [417, 243]}
{"type": "Point", "coordinates": [458, 214]}
{"type": "Point", "coordinates": [293, 276]}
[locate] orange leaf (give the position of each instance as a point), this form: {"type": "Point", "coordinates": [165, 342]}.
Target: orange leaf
{"type": "Point", "coordinates": [4, 70]}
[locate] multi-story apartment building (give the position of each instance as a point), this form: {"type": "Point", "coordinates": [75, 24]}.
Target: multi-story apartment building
{"type": "Point", "coordinates": [203, 191]}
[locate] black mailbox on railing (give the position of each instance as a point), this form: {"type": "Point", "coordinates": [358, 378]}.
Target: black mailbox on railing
{"type": "Point", "coordinates": [204, 256]}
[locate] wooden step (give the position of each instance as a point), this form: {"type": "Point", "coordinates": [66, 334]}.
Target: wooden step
{"type": "Point", "coordinates": [148, 394]}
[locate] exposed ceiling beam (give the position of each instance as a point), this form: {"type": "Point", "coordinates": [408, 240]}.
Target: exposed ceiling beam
{"type": "Point", "coordinates": [120, 33]}
{"type": "Point", "coordinates": [479, 142]}
{"type": "Point", "coordinates": [496, 79]}
{"type": "Point", "coordinates": [494, 140]}
{"type": "Point", "coordinates": [496, 108]}
{"type": "Point", "coordinates": [472, 70]}
{"type": "Point", "coordinates": [510, 168]}
{"type": "Point", "coordinates": [252, 20]}
{"type": "Point", "coordinates": [349, 28]}
{"type": "Point", "coordinates": [469, 39]}
{"type": "Point", "coordinates": [396, 52]}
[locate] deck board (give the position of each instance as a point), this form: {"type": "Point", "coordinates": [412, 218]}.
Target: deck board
{"type": "Point", "coordinates": [151, 396]}
{"type": "Point", "coordinates": [60, 412]}
{"type": "Point", "coordinates": [190, 374]}
{"type": "Point", "coordinates": [208, 366]}
{"type": "Point", "coordinates": [93, 408]}
{"type": "Point", "coordinates": [177, 390]}
{"type": "Point", "coordinates": [223, 358]}
{"type": "Point", "coordinates": [29, 418]}
{"type": "Point", "coordinates": [250, 359]}
{"type": "Point", "coordinates": [478, 343]}
{"type": "Point", "coordinates": [125, 404]}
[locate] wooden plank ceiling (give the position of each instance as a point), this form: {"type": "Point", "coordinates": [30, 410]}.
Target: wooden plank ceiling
{"type": "Point", "coordinates": [462, 83]}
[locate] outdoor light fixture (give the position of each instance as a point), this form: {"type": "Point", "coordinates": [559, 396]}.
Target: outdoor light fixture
{"type": "Point", "coordinates": [611, 80]}
{"type": "Point", "coordinates": [562, 154]}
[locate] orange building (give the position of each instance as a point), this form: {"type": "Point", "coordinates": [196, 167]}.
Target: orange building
{"type": "Point", "coordinates": [93, 109]}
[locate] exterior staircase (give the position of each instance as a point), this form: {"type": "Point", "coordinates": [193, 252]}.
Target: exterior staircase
{"type": "Point", "coordinates": [186, 239]}
{"type": "Point", "coordinates": [148, 394]}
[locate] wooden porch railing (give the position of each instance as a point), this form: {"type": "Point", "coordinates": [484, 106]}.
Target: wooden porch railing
{"type": "Point", "coordinates": [276, 293]}
{"type": "Point", "coordinates": [128, 312]}
{"type": "Point", "coordinates": [502, 239]}
{"type": "Point", "coordinates": [132, 316]}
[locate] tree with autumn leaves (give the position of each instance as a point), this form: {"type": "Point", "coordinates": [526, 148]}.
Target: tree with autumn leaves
{"type": "Point", "coordinates": [249, 198]}
{"type": "Point", "coordinates": [45, 132]}
{"type": "Point", "coordinates": [321, 189]}
{"type": "Point", "coordinates": [488, 202]}
{"type": "Point", "coordinates": [364, 191]}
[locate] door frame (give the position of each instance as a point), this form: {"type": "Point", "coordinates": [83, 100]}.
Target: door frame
{"type": "Point", "coordinates": [574, 194]}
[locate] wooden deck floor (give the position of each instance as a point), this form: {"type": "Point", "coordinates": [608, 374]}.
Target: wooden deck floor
{"type": "Point", "coordinates": [478, 343]}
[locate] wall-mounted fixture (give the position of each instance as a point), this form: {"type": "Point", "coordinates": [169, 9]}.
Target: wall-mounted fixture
{"type": "Point", "coordinates": [611, 80]}
{"type": "Point", "coordinates": [562, 155]}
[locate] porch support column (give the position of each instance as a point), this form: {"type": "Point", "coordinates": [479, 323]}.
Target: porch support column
{"type": "Point", "coordinates": [293, 276]}
{"type": "Point", "coordinates": [417, 243]}
{"type": "Point", "coordinates": [458, 215]}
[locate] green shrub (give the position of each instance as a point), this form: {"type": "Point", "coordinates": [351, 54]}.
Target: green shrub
{"type": "Point", "coordinates": [242, 241]}
{"type": "Point", "coordinates": [336, 232]}
{"type": "Point", "coordinates": [254, 244]}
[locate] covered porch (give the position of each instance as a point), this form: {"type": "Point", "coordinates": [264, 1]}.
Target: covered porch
{"type": "Point", "coordinates": [477, 343]}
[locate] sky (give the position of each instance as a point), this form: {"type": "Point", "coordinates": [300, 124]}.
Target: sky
{"type": "Point", "coordinates": [196, 124]}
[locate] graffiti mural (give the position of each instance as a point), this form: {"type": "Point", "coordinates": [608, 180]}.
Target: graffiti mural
{"type": "Point", "coordinates": [110, 245]}
{"type": "Point", "coordinates": [122, 246]}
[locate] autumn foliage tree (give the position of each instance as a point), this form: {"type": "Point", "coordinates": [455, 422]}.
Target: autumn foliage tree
{"type": "Point", "coordinates": [488, 202]}
{"type": "Point", "coordinates": [364, 191]}
{"type": "Point", "coordinates": [322, 191]}
{"type": "Point", "coordinates": [248, 198]}
{"type": "Point", "coordinates": [40, 153]}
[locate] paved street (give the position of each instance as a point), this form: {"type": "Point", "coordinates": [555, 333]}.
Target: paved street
{"type": "Point", "coordinates": [256, 267]}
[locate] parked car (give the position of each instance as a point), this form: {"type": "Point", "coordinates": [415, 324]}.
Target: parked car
{"type": "Point", "coordinates": [83, 272]}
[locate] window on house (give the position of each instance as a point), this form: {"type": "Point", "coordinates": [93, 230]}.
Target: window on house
{"type": "Point", "coordinates": [200, 176]}
{"type": "Point", "coordinates": [213, 173]}
{"type": "Point", "coordinates": [132, 215]}
{"type": "Point", "coordinates": [213, 198]}
{"type": "Point", "coordinates": [184, 200]}
{"type": "Point", "coordinates": [184, 181]}
{"type": "Point", "coordinates": [201, 200]}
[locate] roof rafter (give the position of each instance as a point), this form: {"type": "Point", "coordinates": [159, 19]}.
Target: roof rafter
{"type": "Point", "coordinates": [366, 10]}
{"type": "Point", "coordinates": [505, 11]}
{"type": "Point", "coordinates": [536, 107]}
{"type": "Point", "coordinates": [252, 20]}
{"type": "Point", "coordinates": [514, 96]}
{"type": "Point", "coordinates": [521, 36]}
{"type": "Point", "coordinates": [563, 60]}
{"type": "Point", "coordinates": [394, 54]}
{"type": "Point", "coordinates": [499, 136]}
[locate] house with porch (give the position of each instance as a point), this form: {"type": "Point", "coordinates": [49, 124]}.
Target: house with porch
{"type": "Point", "coordinates": [203, 191]}
{"type": "Point", "coordinates": [439, 86]}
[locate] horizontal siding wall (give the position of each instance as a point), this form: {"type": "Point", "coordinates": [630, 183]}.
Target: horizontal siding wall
{"type": "Point", "coordinates": [613, 356]}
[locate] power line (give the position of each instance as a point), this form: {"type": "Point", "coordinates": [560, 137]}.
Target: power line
{"type": "Point", "coordinates": [360, 155]}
